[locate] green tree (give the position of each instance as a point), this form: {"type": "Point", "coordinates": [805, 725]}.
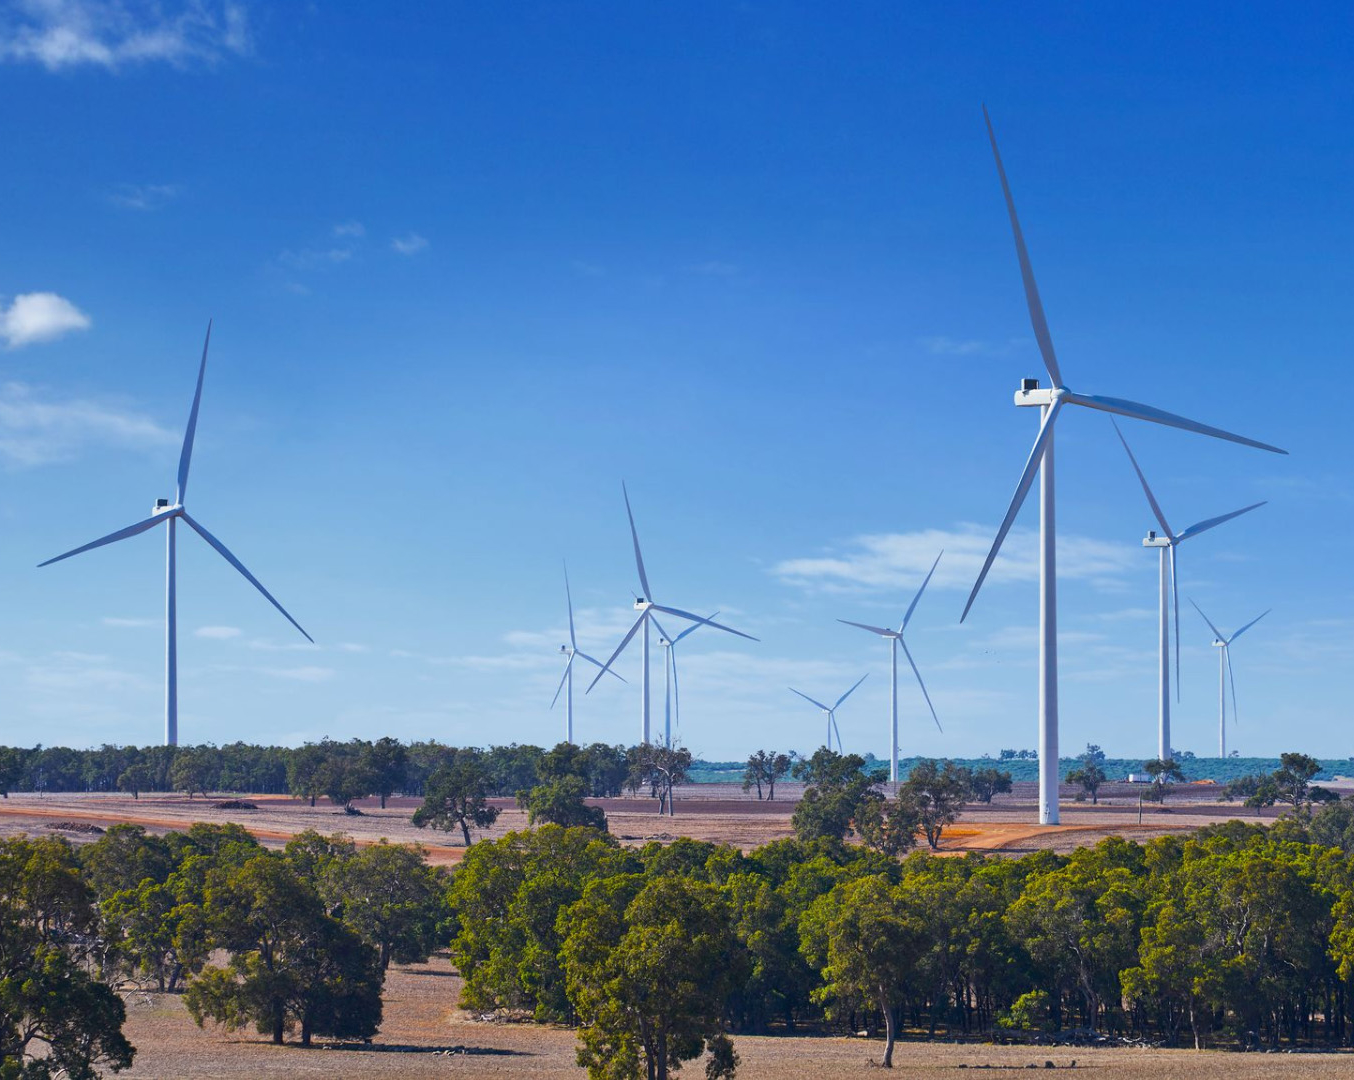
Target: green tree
{"type": "Point", "coordinates": [1090, 774]}
{"type": "Point", "coordinates": [304, 765]}
{"type": "Point", "coordinates": [345, 777]}
{"type": "Point", "coordinates": [840, 795]}
{"type": "Point", "coordinates": [649, 967]}
{"type": "Point", "coordinates": [987, 782]}
{"type": "Point", "coordinates": [458, 795]}
{"type": "Point", "coordinates": [135, 779]}
{"type": "Point", "coordinates": [391, 897]}
{"type": "Point", "coordinates": [388, 762]}
{"type": "Point", "coordinates": [195, 768]}
{"type": "Point", "coordinates": [560, 802]}
{"type": "Point", "coordinates": [663, 768]}
{"type": "Point", "coordinates": [1163, 771]}
{"type": "Point", "coordinates": [765, 768]}
{"type": "Point", "coordinates": [937, 792]}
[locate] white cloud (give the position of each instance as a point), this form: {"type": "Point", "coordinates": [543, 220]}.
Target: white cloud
{"type": "Point", "coordinates": [130, 624]}
{"type": "Point", "coordinates": [303, 674]}
{"type": "Point", "coordinates": [61, 34]}
{"type": "Point", "coordinates": [410, 244]}
{"type": "Point", "coordinates": [313, 259]}
{"type": "Point", "coordinates": [350, 228]}
{"type": "Point", "coordinates": [352, 647]}
{"type": "Point", "coordinates": [40, 316]}
{"type": "Point", "coordinates": [143, 196]}
{"type": "Point", "coordinates": [217, 633]}
{"type": "Point", "coordinates": [34, 431]}
{"type": "Point", "coordinates": [901, 560]}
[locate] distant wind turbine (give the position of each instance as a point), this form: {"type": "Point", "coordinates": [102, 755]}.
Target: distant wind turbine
{"type": "Point", "coordinates": [1224, 646]}
{"type": "Point", "coordinates": [895, 639]}
{"type": "Point", "coordinates": [1050, 402]}
{"type": "Point", "coordinates": [571, 651]}
{"type": "Point", "coordinates": [831, 711]}
{"type": "Point", "coordinates": [646, 607]}
{"type": "Point", "coordinates": [166, 513]}
{"type": "Point", "coordinates": [671, 694]}
{"type": "Point", "coordinates": [1166, 545]}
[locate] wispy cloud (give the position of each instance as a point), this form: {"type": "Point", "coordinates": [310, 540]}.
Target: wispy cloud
{"type": "Point", "coordinates": [62, 34]}
{"type": "Point", "coordinates": [36, 431]}
{"type": "Point", "coordinates": [41, 316]}
{"type": "Point", "coordinates": [409, 244]}
{"type": "Point", "coordinates": [314, 258]}
{"type": "Point", "coordinates": [130, 624]}
{"type": "Point", "coordinates": [901, 560]}
{"type": "Point", "coordinates": [217, 633]}
{"type": "Point", "coordinates": [143, 196]}
{"type": "Point", "coordinates": [302, 674]}
{"type": "Point", "coordinates": [354, 229]}
{"type": "Point", "coordinates": [941, 345]}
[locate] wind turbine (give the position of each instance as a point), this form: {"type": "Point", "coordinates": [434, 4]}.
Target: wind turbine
{"type": "Point", "coordinates": [671, 693]}
{"type": "Point", "coordinates": [169, 514]}
{"type": "Point", "coordinates": [1050, 402]}
{"type": "Point", "coordinates": [1224, 646]}
{"type": "Point", "coordinates": [570, 651]}
{"type": "Point", "coordinates": [831, 711]}
{"type": "Point", "coordinates": [645, 605]}
{"type": "Point", "coordinates": [1166, 546]}
{"type": "Point", "coordinates": [895, 638]}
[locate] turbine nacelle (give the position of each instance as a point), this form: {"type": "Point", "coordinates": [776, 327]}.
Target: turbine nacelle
{"type": "Point", "coordinates": [1031, 394]}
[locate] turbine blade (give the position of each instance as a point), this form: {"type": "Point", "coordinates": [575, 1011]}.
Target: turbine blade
{"type": "Point", "coordinates": [598, 664]}
{"type": "Point", "coordinates": [1231, 678]}
{"type": "Point", "coordinates": [1204, 526]}
{"type": "Point", "coordinates": [1159, 416]}
{"type": "Point", "coordinates": [1036, 306]}
{"type": "Point", "coordinates": [676, 693]}
{"type": "Point", "coordinates": [692, 629]}
{"type": "Point", "coordinates": [1216, 632]}
{"type": "Point", "coordinates": [850, 692]}
{"type": "Point", "coordinates": [832, 717]}
{"type": "Point", "coordinates": [913, 606]}
{"type": "Point", "coordinates": [224, 552]}
{"type": "Point", "coordinates": [1175, 593]}
{"type": "Point", "coordinates": [809, 699]}
{"type": "Point", "coordinates": [562, 679]}
{"type": "Point", "coordinates": [121, 534]}
{"type": "Point", "coordinates": [186, 455]}
{"type": "Point", "coordinates": [872, 629]}
{"type": "Point", "coordinates": [661, 632]}
{"type": "Point", "coordinates": [639, 559]}
{"type": "Point", "coordinates": [922, 685]}
{"type": "Point", "coordinates": [1151, 499]}
{"type": "Point", "coordinates": [1022, 489]}
{"type": "Point", "coordinates": [703, 622]}
{"type": "Point", "coordinates": [1248, 625]}
{"type": "Point", "coordinates": [569, 597]}
{"type": "Point", "coordinates": [624, 642]}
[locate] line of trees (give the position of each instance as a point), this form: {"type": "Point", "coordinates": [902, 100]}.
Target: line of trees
{"type": "Point", "coordinates": [1239, 936]}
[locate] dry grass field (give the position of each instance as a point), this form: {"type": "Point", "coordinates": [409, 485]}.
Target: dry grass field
{"type": "Point", "coordinates": [425, 1035]}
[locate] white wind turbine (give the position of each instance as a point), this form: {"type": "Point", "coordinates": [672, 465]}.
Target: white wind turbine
{"type": "Point", "coordinates": [831, 711]}
{"type": "Point", "coordinates": [169, 514]}
{"type": "Point", "coordinates": [1050, 402]}
{"type": "Point", "coordinates": [1224, 646]}
{"type": "Point", "coordinates": [646, 607]}
{"type": "Point", "coordinates": [567, 679]}
{"type": "Point", "coordinates": [895, 639]}
{"type": "Point", "coordinates": [1166, 545]}
{"type": "Point", "coordinates": [672, 705]}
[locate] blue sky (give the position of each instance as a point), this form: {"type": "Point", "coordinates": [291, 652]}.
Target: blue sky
{"type": "Point", "coordinates": [472, 265]}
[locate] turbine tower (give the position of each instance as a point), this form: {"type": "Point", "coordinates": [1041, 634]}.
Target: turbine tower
{"type": "Point", "coordinates": [1166, 545]}
{"type": "Point", "coordinates": [646, 607]}
{"type": "Point", "coordinates": [831, 711]}
{"type": "Point", "coordinates": [169, 514]}
{"type": "Point", "coordinates": [1224, 646]}
{"type": "Point", "coordinates": [671, 693]}
{"type": "Point", "coordinates": [895, 638]}
{"type": "Point", "coordinates": [1050, 402]}
{"type": "Point", "coordinates": [567, 679]}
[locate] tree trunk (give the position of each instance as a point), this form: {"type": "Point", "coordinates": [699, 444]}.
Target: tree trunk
{"type": "Point", "coordinates": [889, 1034]}
{"type": "Point", "coordinates": [383, 800]}
{"type": "Point", "coordinates": [465, 831]}
{"type": "Point", "coordinates": [277, 1024]}
{"type": "Point", "coordinates": [305, 1030]}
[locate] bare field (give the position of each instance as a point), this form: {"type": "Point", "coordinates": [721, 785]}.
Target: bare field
{"type": "Point", "coordinates": [704, 812]}
{"type": "Point", "coordinates": [425, 1035]}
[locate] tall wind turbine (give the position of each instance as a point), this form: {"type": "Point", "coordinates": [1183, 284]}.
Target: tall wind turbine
{"type": "Point", "coordinates": [1224, 646]}
{"type": "Point", "coordinates": [1166, 545]}
{"type": "Point", "coordinates": [831, 711]}
{"type": "Point", "coordinates": [895, 639]}
{"type": "Point", "coordinates": [1050, 403]}
{"type": "Point", "coordinates": [646, 607]}
{"type": "Point", "coordinates": [671, 694]}
{"type": "Point", "coordinates": [567, 679]}
{"type": "Point", "coordinates": [169, 514]}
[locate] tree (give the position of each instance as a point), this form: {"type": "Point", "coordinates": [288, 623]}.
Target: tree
{"type": "Point", "coordinates": [661, 767]}
{"type": "Point", "coordinates": [136, 779]}
{"type": "Point", "coordinates": [388, 762]}
{"type": "Point", "coordinates": [195, 768]}
{"type": "Point", "coordinates": [560, 802]}
{"type": "Point", "coordinates": [1333, 826]}
{"type": "Point", "coordinates": [290, 963]}
{"type": "Point", "coordinates": [391, 897]}
{"type": "Point", "coordinates": [839, 796]}
{"type": "Point", "coordinates": [458, 795]}
{"type": "Point", "coordinates": [889, 825]}
{"type": "Point", "coordinates": [303, 770]}
{"type": "Point", "coordinates": [938, 792]}
{"type": "Point", "coordinates": [765, 767]}
{"type": "Point", "coordinates": [1291, 783]}
{"type": "Point", "coordinates": [986, 782]}
{"type": "Point", "coordinates": [1090, 774]}
{"type": "Point", "coordinates": [345, 777]}
{"type": "Point", "coordinates": [1162, 771]}
{"type": "Point", "coordinates": [649, 967]}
